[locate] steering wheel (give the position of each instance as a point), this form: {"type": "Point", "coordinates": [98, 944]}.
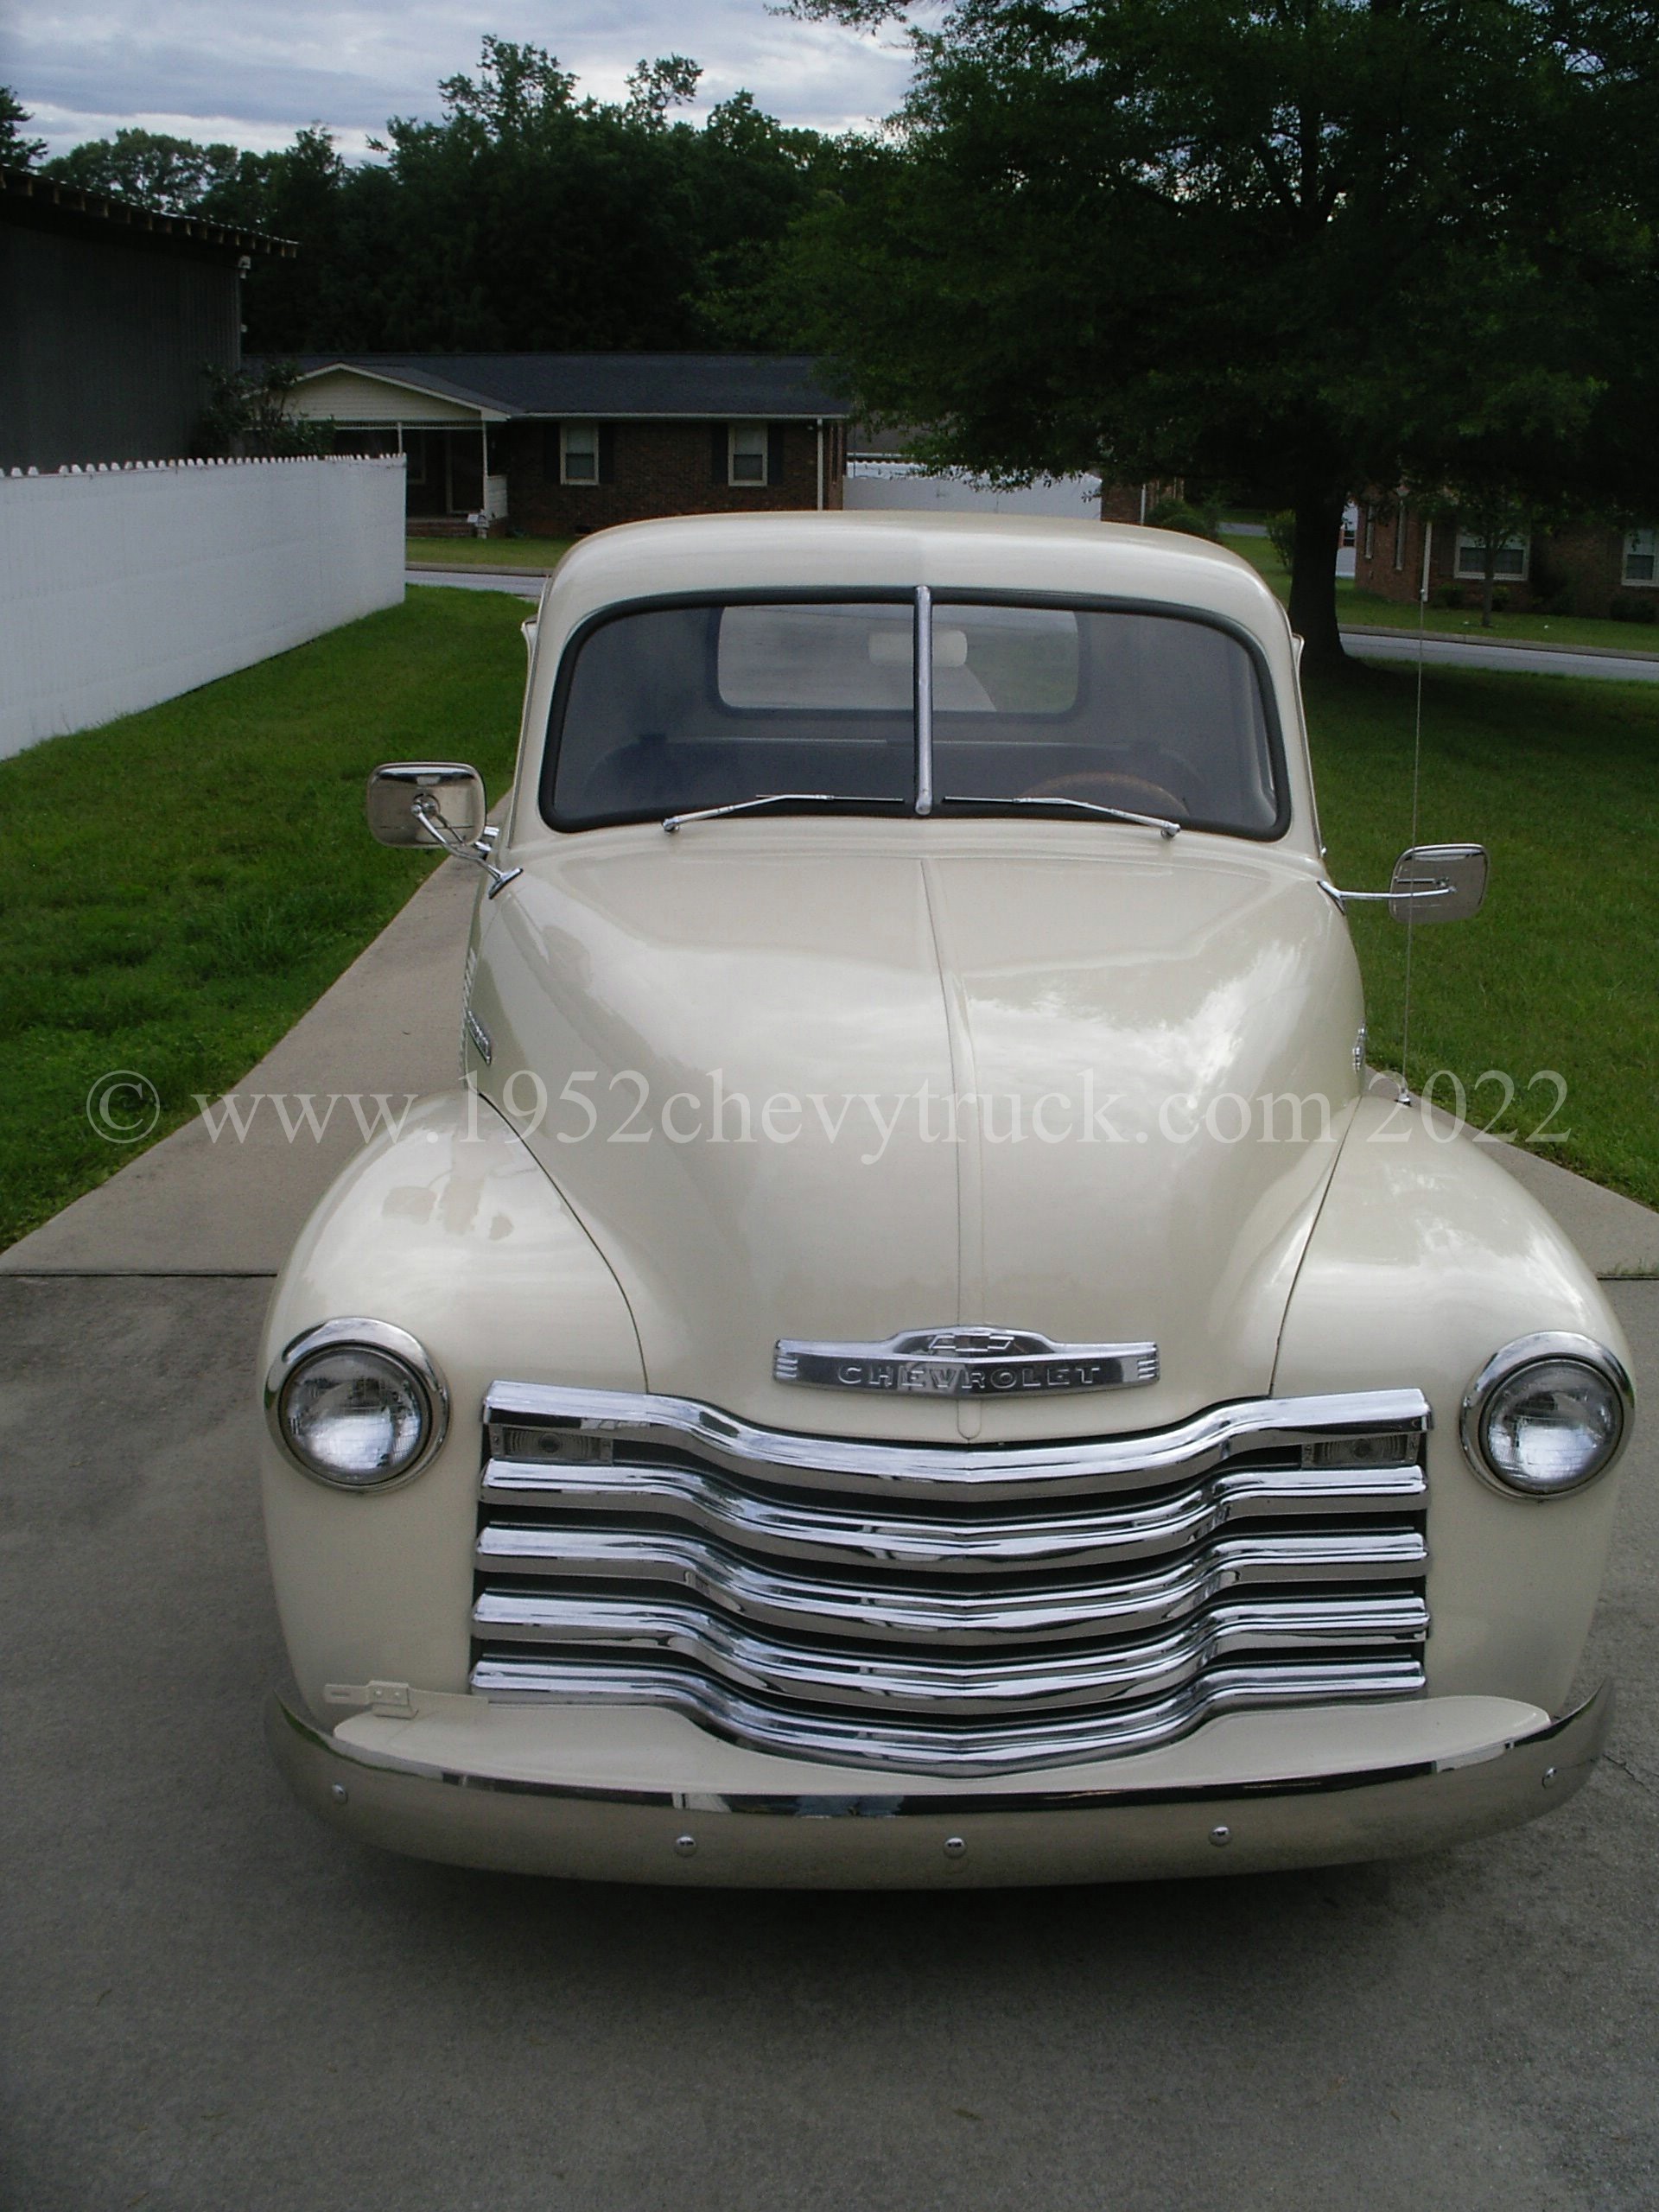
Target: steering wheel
{"type": "Point", "coordinates": [1110, 787]}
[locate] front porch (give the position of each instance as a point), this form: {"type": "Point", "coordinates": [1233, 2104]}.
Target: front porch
{"type": "Point", "coordinates": [454, 475]}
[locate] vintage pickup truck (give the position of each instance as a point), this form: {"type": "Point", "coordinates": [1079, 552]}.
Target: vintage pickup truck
{"type": "Point", "coordinates": [914, 1352]}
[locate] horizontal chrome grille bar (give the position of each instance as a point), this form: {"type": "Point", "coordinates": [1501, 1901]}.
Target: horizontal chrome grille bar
{"type": "Point", "coordinates": [1366, 1425]}
{"type": "Point", "coordinates": [856, 1540]}
{"type": "Point", "coordinates": [929, 1749]}
{"type": "Point", "coordinates": [899, 1613]}
{"type": "Point", "coordinates": [949, 1607]}
{"type": "Point", "coordinates": [980, 1687]}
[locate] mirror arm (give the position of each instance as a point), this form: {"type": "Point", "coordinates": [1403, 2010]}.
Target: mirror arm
{"type": "Point", "coordinates": [1439, 889]}
{"type": "Point", "coordinates": [425, 810]}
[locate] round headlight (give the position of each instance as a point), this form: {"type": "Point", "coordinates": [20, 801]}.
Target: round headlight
{"type": "Point", "coordinates": [1547, 1414]}
{"type": "Point", "coordinates": [358, 1404]}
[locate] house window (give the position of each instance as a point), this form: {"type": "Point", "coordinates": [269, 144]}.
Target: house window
{"type": "Point", "coordinates": [579, 453]}
{"type": "Point", "coordinates": [1370, 534]}
{"type": "Point", "coordinates": [1509, 561]}
{"type": "Point", "coordinates": [745, 453]}
{"type": "Point", "coordinates": [1641, 548]}
{"type": "Point", "coordinates": [1399, 535]}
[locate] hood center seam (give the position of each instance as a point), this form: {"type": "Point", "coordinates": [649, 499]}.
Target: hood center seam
{"type": "Point", "coordinates": [970, 1178]}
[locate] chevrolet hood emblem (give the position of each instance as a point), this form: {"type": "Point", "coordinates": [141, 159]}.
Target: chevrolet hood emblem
{"type": "Point", "coordinates": [965, 1362]}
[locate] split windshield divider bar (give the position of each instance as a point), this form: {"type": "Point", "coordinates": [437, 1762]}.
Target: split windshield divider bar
{"type": "Point", "coordinates": [924, 700]}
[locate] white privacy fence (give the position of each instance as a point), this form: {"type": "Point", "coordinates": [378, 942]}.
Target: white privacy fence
{"type": "Point", "coordinates": [901, 483]}
{"type": "Point", "coordinates": [123, 586]}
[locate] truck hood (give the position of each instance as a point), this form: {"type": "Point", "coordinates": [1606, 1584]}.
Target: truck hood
{"type": "Point", "coordinates": [836, 1087]}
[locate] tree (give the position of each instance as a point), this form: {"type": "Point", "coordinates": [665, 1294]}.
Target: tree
{"type": "Point", "coordinates": [174, 174]}
{"type": "Point", "coordinates": [245, 417]}
{"type": "Point", "coordinates": [17, 152]}
{"type": "Point", "coordinates": [526, 217]}
{"type": "Point", "coordinates": [655, 87]}
{"type": "Point", "coordinates": [1321, 244]}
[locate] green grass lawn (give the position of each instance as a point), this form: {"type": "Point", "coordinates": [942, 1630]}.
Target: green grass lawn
{"type": "Point", "coordinates": [177, 887]}
{"type": "Point", "coordinates": [486, 552]}
{"type": "Point", "coordinates": [1368, 608]}
{"type": "Point", "coordinates": [1555, 776]}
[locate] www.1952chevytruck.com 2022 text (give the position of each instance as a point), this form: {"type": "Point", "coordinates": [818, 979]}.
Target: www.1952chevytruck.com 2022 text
{"type": "Point", "coordinates": [914, 1352]}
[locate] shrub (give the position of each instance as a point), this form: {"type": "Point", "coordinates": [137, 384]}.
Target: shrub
{"type": "Point", "coordinates": [1281, 536]}
{"type": "Point", "coordinates": [1634, 607]}
{"type": "Point", "coordinates": [1449, 595]}
{"type": "Point", "coordinates": [1177, 514]}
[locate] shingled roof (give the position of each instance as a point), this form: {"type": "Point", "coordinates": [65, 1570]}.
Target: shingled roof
{"type": "Point", "coordinates": [701, 387]}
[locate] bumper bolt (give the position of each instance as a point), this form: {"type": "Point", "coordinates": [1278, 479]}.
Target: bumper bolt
{"type": "Point", "coordinates": [955, 1847]}
{"type": "Point", "coordinates": [1221, 1836]}
{"type": "Point", "coordinates": [338, 1791]}
{"type": "Point", "coordinates": [685, 1845]}
{"type": "Point", "coordinates": [1551, 1775]}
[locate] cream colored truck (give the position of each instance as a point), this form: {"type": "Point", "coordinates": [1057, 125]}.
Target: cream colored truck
{"type": "Point", "coordinates": [914, 1354]}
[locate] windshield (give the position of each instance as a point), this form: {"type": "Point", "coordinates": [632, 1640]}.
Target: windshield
{"type": "Point", "coordinates": [666, 710]}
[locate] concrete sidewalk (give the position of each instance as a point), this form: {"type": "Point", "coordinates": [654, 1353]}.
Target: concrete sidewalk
{"type": "Point", "coordinates": [390, 1027]}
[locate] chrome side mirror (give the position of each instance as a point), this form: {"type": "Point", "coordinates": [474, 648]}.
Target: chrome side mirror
{"type": "Point", "coordinates": [434, 802]}
{"type": "Point", "coordinates": [1438, 883]}
{"type": "Point", "coordinates": [1431, 883]}
{"type": "Point", "coordinates": [406, 799]}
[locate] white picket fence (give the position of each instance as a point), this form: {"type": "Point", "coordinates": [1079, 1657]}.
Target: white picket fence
{"type": "Point", "coordinates": [123, 586]}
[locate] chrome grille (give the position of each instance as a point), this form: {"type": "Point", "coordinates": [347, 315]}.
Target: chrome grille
{"type": "Point", "coordinates": [956, 1609]}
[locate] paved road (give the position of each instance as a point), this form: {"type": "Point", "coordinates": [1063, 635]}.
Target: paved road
{"type": "Point", "coordinates": [1448, 652]}
{"type": "Point", "coordinates": [212, 2002]}
{"type": "Point", "coordinates": [526, 586]}
{"type": "Point", "coordinates": [1514, 660]}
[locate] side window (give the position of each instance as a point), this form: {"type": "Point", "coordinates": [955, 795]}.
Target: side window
{"type": "Point", "coordinates": [1640, 548]}
{"type": "Point", "coordinates": [579, 453]}
{"type": "Point", "coordinates": [1509, 559]}
{"type": "Point", "coordinates": [745, 453]}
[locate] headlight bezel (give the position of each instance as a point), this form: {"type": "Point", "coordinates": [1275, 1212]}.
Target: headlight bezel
{"type": "Point", "coordinates": [387, 1342]}
{"type": "Point", "coordinates": [1541, 1349]}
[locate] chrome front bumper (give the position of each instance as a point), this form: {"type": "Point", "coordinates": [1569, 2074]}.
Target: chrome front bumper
{"type": "Point", "coordinates": [1006, 1836]}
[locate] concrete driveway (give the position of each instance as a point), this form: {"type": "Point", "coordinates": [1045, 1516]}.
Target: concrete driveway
{"type": "Point", "coordinates": [210, 2002]}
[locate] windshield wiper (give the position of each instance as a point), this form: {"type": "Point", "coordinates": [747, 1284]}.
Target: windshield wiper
{"type": "Point", "coordinates": [1160, 822]}
{"type": "Point", "coordinates": [671, 822]}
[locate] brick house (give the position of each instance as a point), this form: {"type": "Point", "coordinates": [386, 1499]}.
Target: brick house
{"type": "Point", "coordinates": [556, 444]}
{"type": "Point", "coordinates": [1591, 568]}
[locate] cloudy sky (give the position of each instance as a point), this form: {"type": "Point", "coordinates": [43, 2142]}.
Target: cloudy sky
{"type": "Point", "coordinates": [252, 72]}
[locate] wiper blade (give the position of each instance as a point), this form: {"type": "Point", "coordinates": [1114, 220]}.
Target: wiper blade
{"type": "Point", "coordinates": [1160, 822]}
{"type": "Point", "coordinates": [671, 822]}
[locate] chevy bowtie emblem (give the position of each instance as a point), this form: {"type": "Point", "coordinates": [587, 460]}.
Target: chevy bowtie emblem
{"type": "Point", "coordinates": [966, 1363]}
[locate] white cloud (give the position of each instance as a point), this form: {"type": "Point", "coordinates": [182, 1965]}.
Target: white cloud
{"type": "Point", "coordinates": [228, 69]}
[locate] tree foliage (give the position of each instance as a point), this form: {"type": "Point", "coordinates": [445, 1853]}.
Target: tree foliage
{"type": "Point", "coordinates": [174, 174]}
{"type": "Point", "coordinates": [526, 217]}
{"type": "Point", "coordinates": [246, 418]}
{"type": "Point", "coordinates": [17, 152]}
{"type": "Point", "coordinates": [1317, 245]}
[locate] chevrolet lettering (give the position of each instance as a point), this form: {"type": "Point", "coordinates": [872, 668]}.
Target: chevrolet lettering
{"type": "Point", "coordinates": [966, 1362]}
{"type": "Point", "coordinates": [915, 1351]}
